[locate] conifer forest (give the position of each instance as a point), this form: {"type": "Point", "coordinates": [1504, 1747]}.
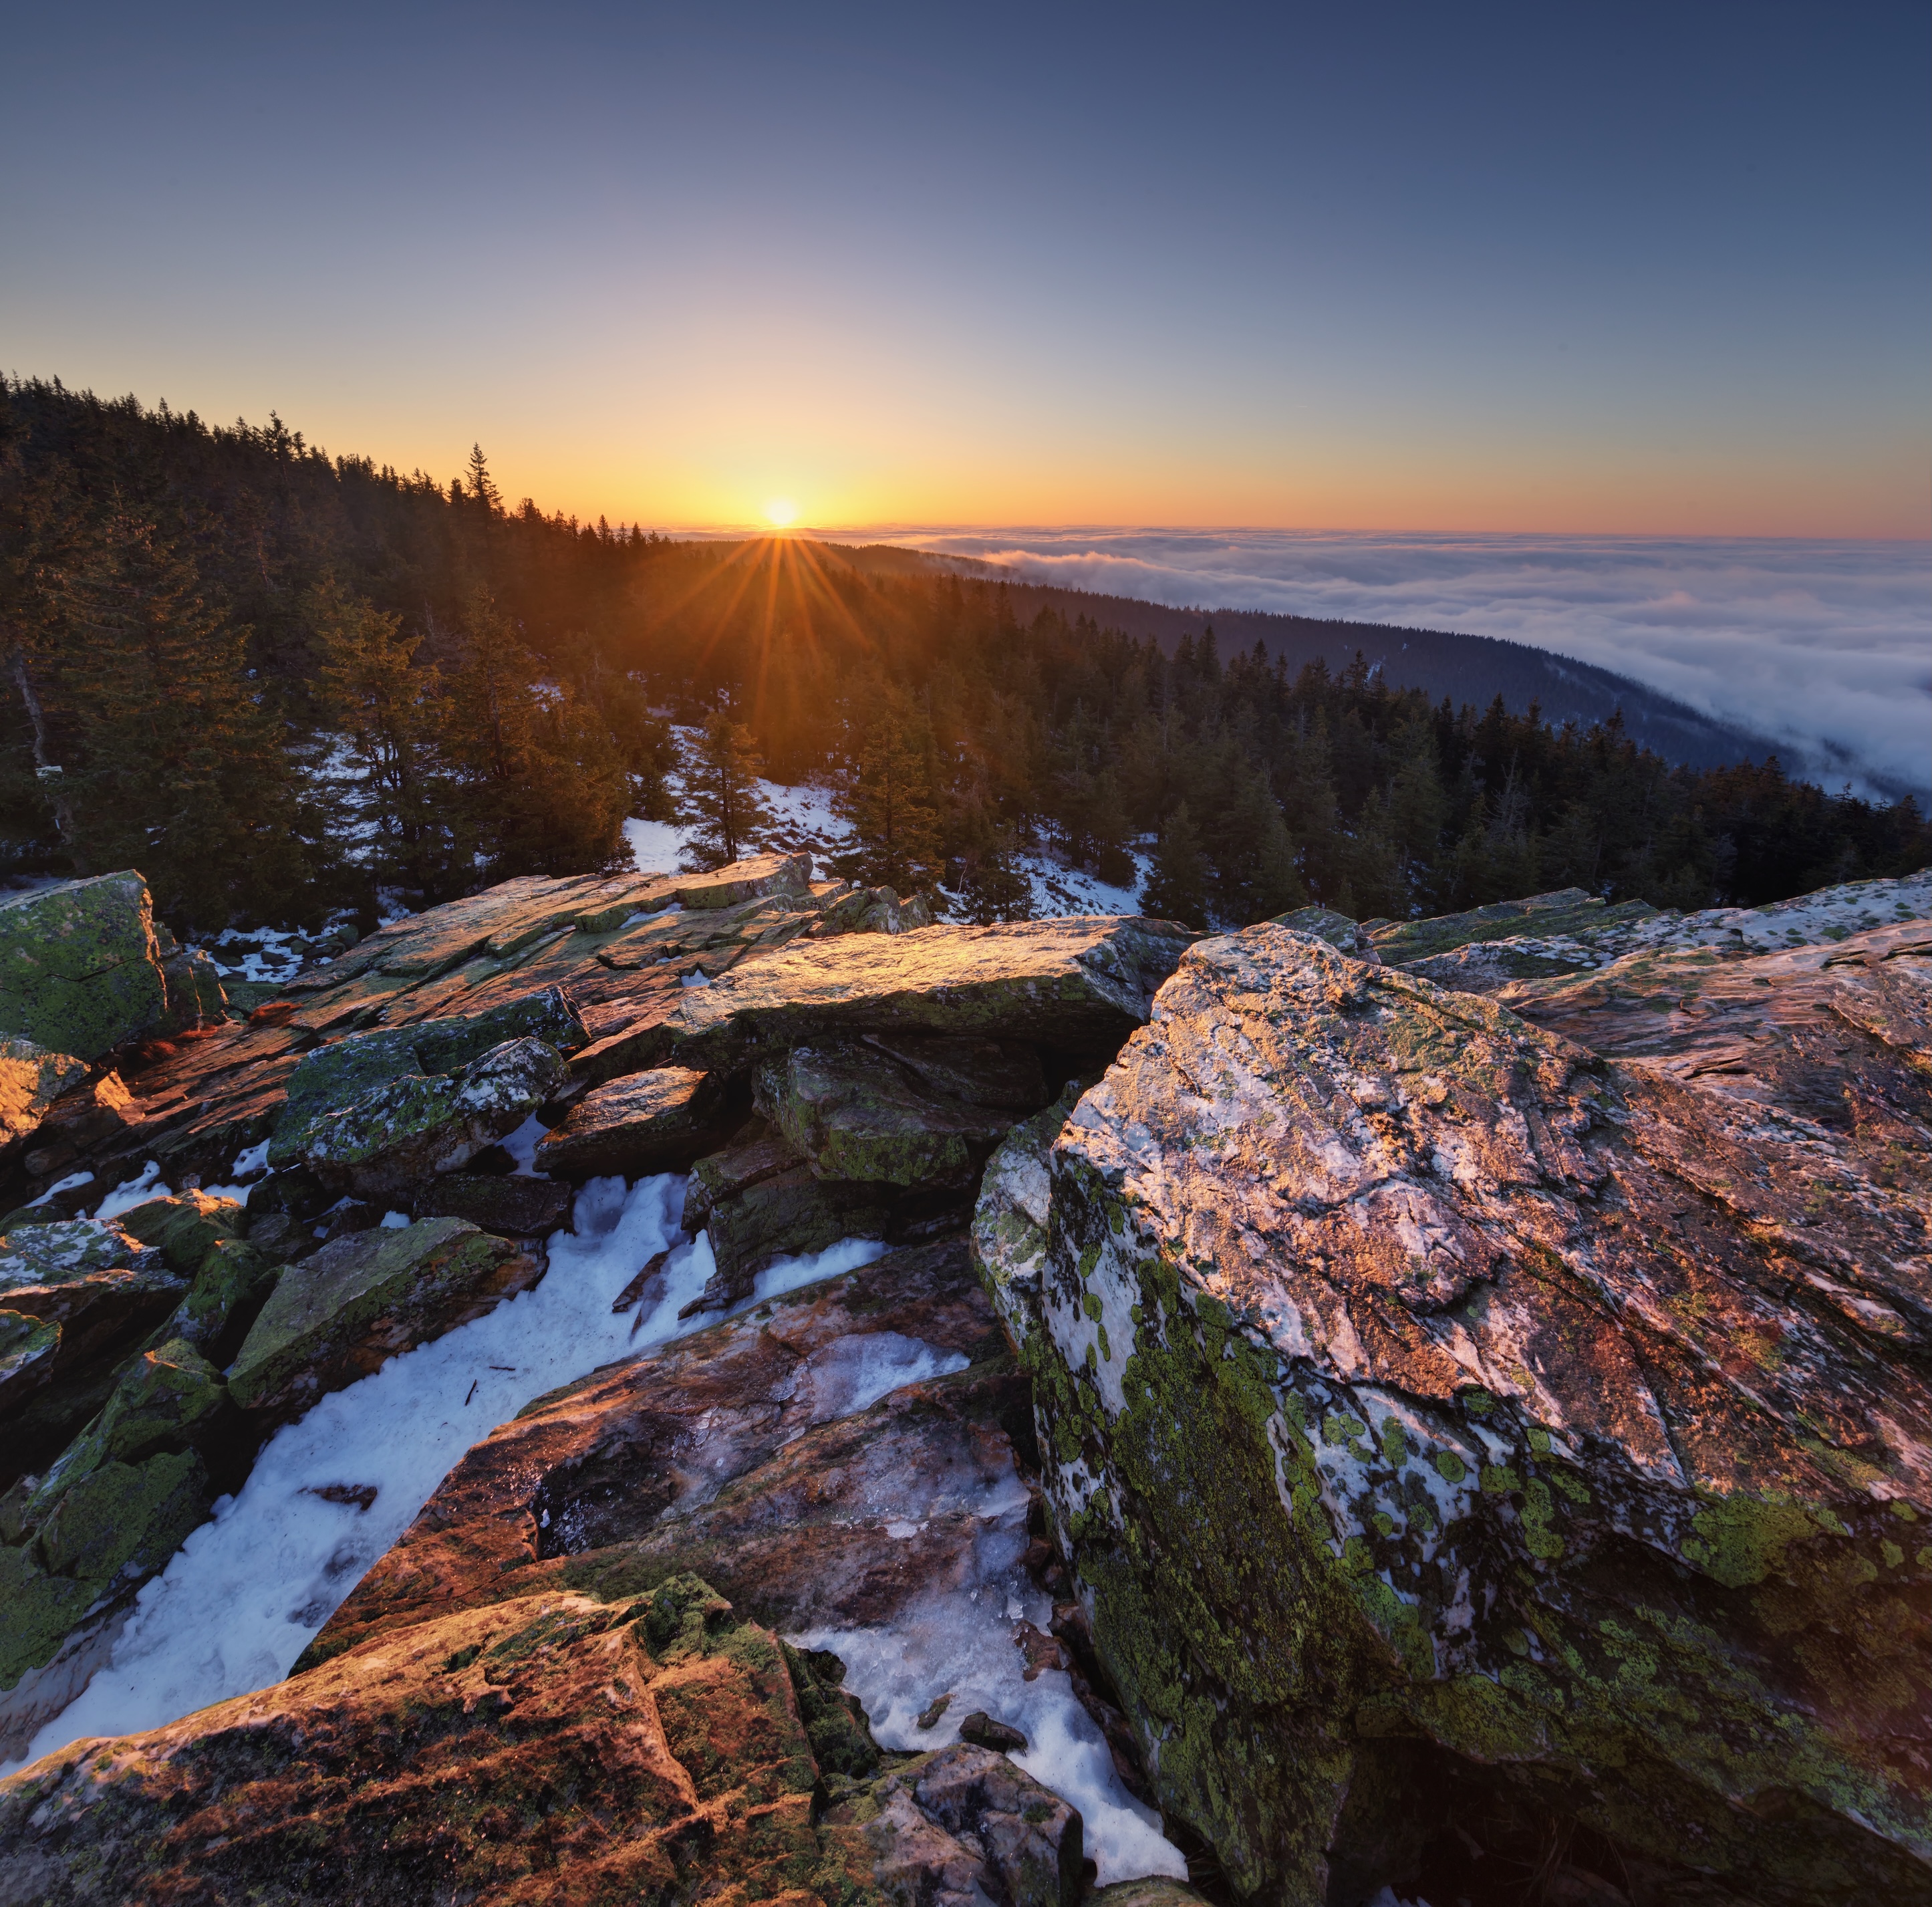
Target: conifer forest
{"type": "Point", "coordinates": [284, 683]}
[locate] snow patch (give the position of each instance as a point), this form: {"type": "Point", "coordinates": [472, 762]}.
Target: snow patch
{"type": "Point", "coordinates": [131, 1192]}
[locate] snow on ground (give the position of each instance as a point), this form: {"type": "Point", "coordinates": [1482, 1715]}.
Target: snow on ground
{"type": "Point", "coordinates": [804, 823]}
{"type": "Point", "coordinates": [249, 1589]}
{"type": "Point", "coordinates": [959, 1642]}
{"type": "Point", "coordinates": [1058, 889]}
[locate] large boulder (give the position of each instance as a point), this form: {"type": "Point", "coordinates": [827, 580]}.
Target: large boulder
{"type": "Point", "coordinates": [1442, 1419]}
{"type": "Point", "coordinates": [553, 1748]}
{"type": "Point", "coordinates": [1078, 985]}
{"type": "Point", "coordinates": [80, 967]}
{"type": "Point", "coordinates": [345, 1310]}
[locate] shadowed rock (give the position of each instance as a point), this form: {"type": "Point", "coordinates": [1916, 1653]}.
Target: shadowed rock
{"type": "Point", "coordinates": [656, 1121]}
{"type": "Point", "coordinates": [1426, 1400]}
{"type": "Point", "coordinates": [506, 1204]}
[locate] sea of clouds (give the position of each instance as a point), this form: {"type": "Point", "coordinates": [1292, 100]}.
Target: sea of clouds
{"type": "Point", "coordinates": [1824, 647]}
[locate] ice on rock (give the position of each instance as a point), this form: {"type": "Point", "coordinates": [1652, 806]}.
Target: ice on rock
{"type": "Point", "coordinates": [959, 1641]}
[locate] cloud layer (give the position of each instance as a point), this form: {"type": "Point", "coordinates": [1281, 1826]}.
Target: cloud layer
{"type": "Point", "coordinates": [1824, 647]}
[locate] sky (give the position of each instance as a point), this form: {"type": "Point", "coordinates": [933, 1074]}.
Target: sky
{"type": "Point", "coordinates": [1648, 271]}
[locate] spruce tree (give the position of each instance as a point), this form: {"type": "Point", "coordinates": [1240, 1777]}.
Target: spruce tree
{"type": "Point", "coordinates": [180, 767]}
{"type": "Point", "coordinates": [723, 804]}
{"type": "Point", "coordinates": [885, 793]}
{"type": "Point", "coordinates": [1177, 888]}
{"type": "Point", "coordinates": [390, 711]}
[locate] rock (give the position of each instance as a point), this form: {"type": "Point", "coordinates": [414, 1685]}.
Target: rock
{"type": "Point", "coordinates": [656, 1121]}
{"type": "Point", "coordinates": [390, 1137]}
{"type": "Point", "coordinates": [103, 1287]}
{"type": "Point", "coordinates": [1568, 911]}
{"type": "Point", "coordinates": [28, 1347]}
{"type": "Point", "coordinates": [1555, 935]}
{"type": "Point", "coordinates": [83, 1117]}
{"type": "Point", "coordinates": [1150, 1890]}
{"type": "Point", "coordinates": [787, 1214]}
{"type": "Point", "coordinates": [980, 1729]}
{"type": "Point", "coordinates": [750, 879]}
{"type": "Point", "coordinates": [1077, 984]}
{"type": "Point", "coordinates": [79, 965]}
{"type": "Point", "coordinates": [506, 1205]}
{"type": "Point", "coordinates": [854, 1112]}
{"type": "Point", "coordinates": [875, 910]}
{"type": "Point", "coordinates": [1433, 1410]}
{"type": "Point", "coordinates": [167, 1401]}
{"type": "Point", "coordinates": [1010, 1221]}
{"type": "Point", "coordinates": [185, 1227]}
{"type": "Point", "coordinates": [31, 1079]}
{"type": "Point", "coordinates": [948, 1817]}
{"type": "Point", "coordinates": [342, 1312]}
{"type": "Point", "coordinates": [1337, 930]}
{"type": "Point", "coordinates": [193, 984]}
{"type": "Point", "coordinates": [755, 1153]}
{"type": "Point", "coordinates": [336, 1076]}
{"type": "Point", "coordinates": [553, 1748]}
{"type": "Point", "coordinates": [755, 1449]}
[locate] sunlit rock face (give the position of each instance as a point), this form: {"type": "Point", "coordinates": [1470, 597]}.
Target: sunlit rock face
{"type": "Point", "coordinates": [1436, 1410]}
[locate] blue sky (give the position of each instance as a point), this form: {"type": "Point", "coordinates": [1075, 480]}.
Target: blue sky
{"type": "Point", "coordinates": [1590, 269]}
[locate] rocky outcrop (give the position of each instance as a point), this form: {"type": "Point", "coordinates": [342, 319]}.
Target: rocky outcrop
{"type": "Point", "coordinates": [345, 1310]}
{"type": "Point", "coordinates": [1445, 1418]}
{"type": "Point", "coordinates": [1571, 932]}
{"type": "Point", "coordinates": [554, 1748]}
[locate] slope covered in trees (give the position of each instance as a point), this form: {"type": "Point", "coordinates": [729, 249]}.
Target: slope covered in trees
{"type": "Point", "coordinates": [279, 681]}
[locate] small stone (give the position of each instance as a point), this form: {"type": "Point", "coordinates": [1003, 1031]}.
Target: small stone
{"type": "Point", "coordinates": [979, 1728]}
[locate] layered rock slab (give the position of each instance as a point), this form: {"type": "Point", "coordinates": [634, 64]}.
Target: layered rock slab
{"type": "Point", "coordinates": [551, 1749]}
{"type": "Point", "coordinates": [1077, 984]}
{"type": "Point", "coordinates": [1418, 1407]}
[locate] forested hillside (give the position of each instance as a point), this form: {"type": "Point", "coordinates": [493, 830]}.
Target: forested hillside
{"type": "Point", "coordinates": [277, 681]}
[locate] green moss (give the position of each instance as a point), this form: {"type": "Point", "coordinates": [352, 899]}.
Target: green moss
{"type": "Point", "coordinates": [40, 1609]}
{"type": "Point", "coordinates": [1450, 1467]}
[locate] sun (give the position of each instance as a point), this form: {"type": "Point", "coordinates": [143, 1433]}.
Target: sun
{"type": "Point", "coordinates": [781, 511]}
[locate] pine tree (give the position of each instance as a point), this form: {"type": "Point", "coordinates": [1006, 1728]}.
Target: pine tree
{"type": "Point", "coordinates": [723, 804]}
{"type": "Point", "coordinates": [885, 793]}
{"type": "Point", "coordinates": [179, 767]}
{"type": "Point", "coordinates": [391, 710]}
{"type": "Point", "coordinates": [992, 885]}
{"type": "Point", "coordinates": [1177, 888]}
